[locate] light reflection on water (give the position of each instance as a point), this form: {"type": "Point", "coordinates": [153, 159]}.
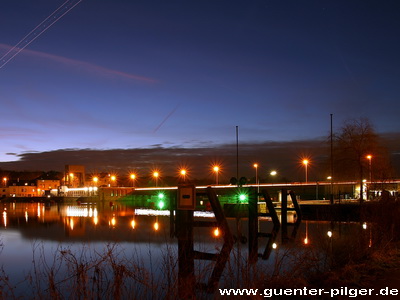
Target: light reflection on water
{"type": "Point", "coordinates": [32, 230]}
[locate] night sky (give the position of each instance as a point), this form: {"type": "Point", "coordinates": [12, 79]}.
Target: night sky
{"type": "Point", "coordinates": [119, 74]}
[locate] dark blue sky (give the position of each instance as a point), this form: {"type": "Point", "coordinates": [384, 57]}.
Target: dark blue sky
{"type": "Point", "coordinates": [134, 74]}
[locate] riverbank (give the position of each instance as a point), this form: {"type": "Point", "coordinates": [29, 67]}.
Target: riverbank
{"type": "Point", "coordinates": [380, 271]}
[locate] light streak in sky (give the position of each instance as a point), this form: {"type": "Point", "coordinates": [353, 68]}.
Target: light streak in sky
{"type": "Point", "coordinates": [60, 12]}
{"type": "Point", "coordinates": [165, 119]}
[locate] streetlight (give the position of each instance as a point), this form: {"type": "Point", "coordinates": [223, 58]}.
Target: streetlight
{"type": "Point", "coordinates": [155, 175]}
{"type": "Point", "coordinates": [258, 185]}
{"type": "Point", "coordinates": [133, 178]}
{"type": "Point", "coordinates": [95, 180]}
{"type": "Point", "coordinates": [71, 179]}
{"type": "Point", "coordinates": [113, 179]}
{"type": "Point", "coordinates": [5, 181]}
{"type": "Point", "coordinates": [183, 174]}
{"type": "Point", "coordinates": [216, 170]}
{"type": "Point", "coordinates": [305, 163]}
{"type": "Point", "coordinates": [369, 157]}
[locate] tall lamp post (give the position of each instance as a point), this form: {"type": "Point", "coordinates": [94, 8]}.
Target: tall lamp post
{"type": "Point", "coordinates": [257, 182]}
{"type": "Point", "coordinates": [216, 170]}
{"type": "Point", "coordinates": [113, 180]}
{"type": "Point", "coordinates": [305, 163]}
{"type": "Point", "coordinates": [71, 179]}
{"type": "Point", "coordinates": [155, 175]}
{"type": "Point", "coordinates": [133, 177]}
{"type": "Point", "coordinates": [369, 157]}
{"type": "Point", "coordinates": [183, 174]}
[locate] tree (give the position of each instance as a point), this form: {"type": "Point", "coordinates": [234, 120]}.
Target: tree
{"type": "Point", "coordinates": [354, 143]}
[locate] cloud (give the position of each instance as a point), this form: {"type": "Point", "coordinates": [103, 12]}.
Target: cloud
{"type": "Point", "coordinates": [197, 160]}
{"type": "Point", "coordinates": [81, 65]}
{"type": "Point", "coordinates": [284, 157]}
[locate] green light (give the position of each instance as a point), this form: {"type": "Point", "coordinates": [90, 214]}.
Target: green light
{"type": "Point", "coordinates": [242, 197]}
{"type": "Point", "coordinates": [160, 204]}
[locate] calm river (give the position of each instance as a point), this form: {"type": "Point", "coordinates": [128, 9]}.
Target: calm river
{"type": "Point", "coordinates": [64, 248]}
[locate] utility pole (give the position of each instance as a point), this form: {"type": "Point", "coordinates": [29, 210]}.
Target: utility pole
{"type": "Point", "coordinates": [237, 155]}
{"type": "Point", "coordinates": [332, 177]}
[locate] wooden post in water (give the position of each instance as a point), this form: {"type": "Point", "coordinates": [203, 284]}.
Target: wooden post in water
{"type": "Point", "coordinates": [172, 208]}
{"type": "Point", "coordinates": [253, 227]}
{"type": "Point", "coordinates": [184, 233]}
{"type": "Point", "coordinates": [284, 215]}
{"type": "Point", "coordinates": [185, 204]}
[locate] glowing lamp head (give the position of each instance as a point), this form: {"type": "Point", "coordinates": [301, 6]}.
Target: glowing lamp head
{"type": "Point", "coordinates": [216, 169]}
{"type": "Point", "coordinates": [133, 176]}
{"type": "Point", "coordinates": [242, 197]}
{"type": "Point", "coordinates": [305, 162]}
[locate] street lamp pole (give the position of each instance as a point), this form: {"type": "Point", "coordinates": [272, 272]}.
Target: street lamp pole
{"type": "Point", "coordinates": [369, 157]}
{"type": "Point", "coordinates": [156, 174]}
{"type": "Point", "coordinates": [216, 170]}
{"type": "Point", "coordinates": [183, 173]}
{"type": "Point", "coordinates": [133, 177]}
{"type": "Point", "coordinates": [257, 182]}
{"type": "Point", "coordinates": [305, 162]}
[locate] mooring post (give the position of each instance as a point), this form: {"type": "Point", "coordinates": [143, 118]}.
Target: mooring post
{"type": "Point", "coordinates": [296, 206]}
{"type": "Point", "coordinates": [284, 215]}
{"type": "Point", "coordinates": [185, 204]}
{"type": "Point", "coordinates": [172, 208]}
{"type": "Point", "coordinates": [253, 227]}
{"type": "Point", "coordinates": [184, 232]}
